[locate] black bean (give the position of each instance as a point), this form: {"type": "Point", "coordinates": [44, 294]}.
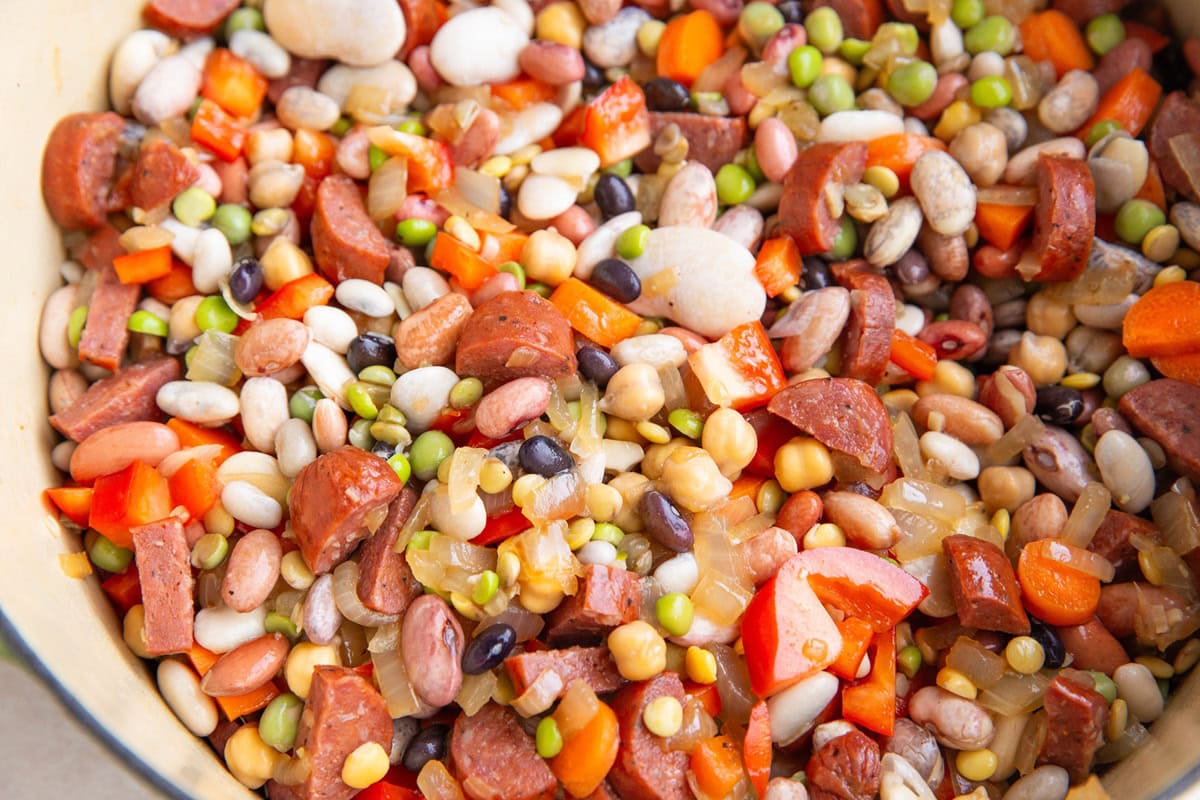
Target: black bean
{"type": "Point", "coordinates": [616, 279]}
{"type": "Point", "coordinates": [593, 76]}
{"type": "Point", "coordinates": [383, 450]}
{"type": "Point", "coordinates": [371, 349]}
{"type": "Point", "coordinates": [613, 197]}
{"type": "Point", "coordinates": [664, 523]}
{"type": "Point", "coordinates": [488, 649]}
{"type": "Point", "coordinates": [596, 365]}
{"type": "Point", "coordinates": [816, 274]}
{"type": "Point", "coordinates": [544, 456]}
{"type": "Point", "coordinates": [664, 94]}
{"type": "Point", "coordinates": [505, 202]}
{"type": "Point", "coordinates": [1058, 405]}
{"type": "Point", "coordinates": [246, 280]}
{"type": "Point", "coordinates": [792, 11]}
{"type": "Point", "coordinates": [1051, 642]}
{"type": "Point", "coordinates": [428, 745]}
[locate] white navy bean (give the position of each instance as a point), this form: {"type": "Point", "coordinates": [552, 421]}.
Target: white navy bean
{"type": "Point", "coordinates": [457, 47]}
{"type": "Point", "coordinates": [267, 56]}
{"type": "Point", "coordinates": [212, 260]}
{"type": "Point", "coordinates": [421, 394]}
{"type": "Point", "coordinates": [596, 552]}
{"type": "Point", "coordinates": [321, 615]}
{"type": "Point", "coordinates": [295, 446]}
{"type": "Point", "coordinates": [168, 90]}
{"type": "Point", "coordinates": [247, 503]}
{"type": "Point", "coordinates": [601, 243]}
{"type": "Point", "coordinates": [264, 403]}
{"type": "Point", "coordinates": [522, 128]}
{"type": "Point", "coordinates": [180, 687]}
{"type": "Point", "coordinates": [201, 402]}
{"type": "Point", "coordinates": [365, 298]}
{"type": "Point", "coordinates": [221, 629]}
{"type": "Point", "coordinates": [132, 61]}
{"type": "Point", "coordinates": [52, 333]}
{"type": "Point", "coordinates": [328, 370]}
{"type": "Point", "coordinates": [183, 240]}
{"type": "Point", "coordinates": [391, 78]}
{"type": "Point", "coordinates": [544, 197]}
{"type": "Point", "coordinates": [331, 327]}
{"type": "Point", "coordinates": [656, 349]}
{"type": "Point", "coordinates": [678, 574]}
{"type": "Point", "coordinates": [1126, 470]}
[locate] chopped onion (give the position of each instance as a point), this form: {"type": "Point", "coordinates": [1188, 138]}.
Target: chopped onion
{"type": "Point", "coordinates": [982, 666]}
{"type": "Point", "coordinates": [540, 695]}
{"type": "Point", "coordinates": [559, 414]}
{"type": "Point", "coordinates": [481, 219]}
{"type": "Point", "coordinates": [1111, 274]}
{"type": "Point", "coordinates": [257, 469]}
{"type": "Point", "coordinates": [933, 571]}
{"type": "Point", "coordinates": [1009, 195]}
{"type": "Point", "coordinates": [713, 550]}
{"type": "Point", "coordinates": [1016, 694]}
{"type": "Point", "coordinates": [345, 596]}
{"type": "Point", "coordinates": [213, 359]}
{"type": "Point", "coordinates": [907, 447]}
{"type": "Point", "coordinates": [465, 465]}
{"type": "Point", "coordinates": [417, 520]}
{"type": "Point", "coordinates": [476, 691]}
{"type": "Point", "coordinates": [450, 565]}
{"type": "Point", "coordinates": [587, 440]}
{"type": "Point", "coordinates": [385, 639]}
{"type": "Point", "coordinates": [292, 771]}
{"type": "Point", "coordinates": [923, 497]}
{"type": "Point", "coordinates": [733, 684]}
{"type": "Point", "coordinates": [395, 686]}
{"type": "Point", "coordinates": [716, 75]}
{"type": "Point", "coordinates": [1030, 745]}
{"type": "Point", "coordinates": [751, 527]}
{"type": "Point", "coordinates": [674, 392]}
{"type": "Point", "coordinates": [388, 188]}
{"type": "Point", "coordinates": [1027, 431]}
{"type": "Point", "coordinates": [370, 105]}
{"type": "Point", "coordinates": [719, 598]}
{"type": "Point", "coordinates": [1178, 517]}
{"type": "Point", "coordinates": [560, 497]}
{"type": "Point", "coordinates": [525, 624]}
{"type": "Point", "coordinates": [436, 783]}
{"type": "Point", "coordinates": [1130, 739]}
{"type": "Point", "coordinates": [522, 357]}
{"type": "Point", "coordinates": [1163, 567]}
{"type": "Point", "coordinates": [483, 192]}
{"type": "Point", "coordinates": [171, 464]}
{"type": "Point", "coordinates": [697, 727]}
{"type": "Point", "coordinates": [922, 536]}
{"type": "Point", "coordinates": [578, 706]}
{"type": "Point", "coordinates": [1086, 516]}
{"type": "Point", "coordinates": [1076, 558]}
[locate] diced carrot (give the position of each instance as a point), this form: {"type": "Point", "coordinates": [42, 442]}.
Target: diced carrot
{"type": "Point", "coordinates": [193, 435]}
{"type": "Point", "coordinates": [469, 268]}
{"type": "Point", "coordinates": [900, 151]}
{"type": "Point", "coordinates": [1002, 225]}
{"type": "Point", "coordinates": [1165, 321]}
{"type": "Point", "coordinates": [1054, 592]}
{"type": "Point", "coordinates": [717, 766]}
{"type": "Point", "coordinates": [144, 265]}
{"type": "Point", "coordinates": [617, 124]}
{"type": "Point", "coordinates": [219, 132]}
{"type": "Point", "coordinates": [778, 265]}
{"type": "Point", "coordinates": [689, 43]}
{"type": "Point", "coordinates": [1053, 36]}
{"type": "Point", "coordinates": [746, 486]}
{"type": "Point", "coordinates": [1152, 190]}
{"type": "Point", "coordinates": [1184, 367]}
{"type": "Point", "coordinates": [524, 91]}
{"type": "Point", "coordinates": [314, 151]}
{"type": "Point", "coordinates": [175, 285]}
{"type": "Point", "coordinates": [73, 501]}
{"type": "Point", "coordinates": [238, 705]}
{"type": "Point", "coordinates": [913, 356]}
{"type": "Point", "coordinates": [1130, 103]}
{"type": "Point", "coordinates": [233, 83]}
{"type": "Point", "coordinates": [1154, 38]}
{"type": "Point", "coordinates": [195, 486]}
{"type": "Point", "coordinates": [124, 589]}
{"type": "Point", "coordinates": [295, 297]}
{"type": "Point", "coordinates": [498, 248]}
{"type": "Point", "coordinates": [596, 316]}
{"type": "Point", "coordinates": [588, 755]}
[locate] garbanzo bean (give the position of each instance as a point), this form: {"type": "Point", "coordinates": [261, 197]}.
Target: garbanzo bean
{"type": "Point", "coordinates": [639, 650]}
{"type": "Point", "coordinates": [730, 440]}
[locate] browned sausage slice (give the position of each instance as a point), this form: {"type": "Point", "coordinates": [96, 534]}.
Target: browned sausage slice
{"type": "Point", "coordinates": [1168, 411]}
{"type": "Point", "coordinates": [161, 172]}
{"type": "Point", "coordinates": [165, 573]}
{"type": "Point", "coordinates": [1075, 717]}
{"type": "Point", "coordinates": [985, 587]}
{"type": "Point", "coordinates": [385, 581]}
{"type": "Point", "coordinates": [594, 665]}
{"type": "Point", "coordinates": [496, 759]}
{"type": "Point", "coordinates": [127, 396]}
{"type": "Point", "coordinates": [845, 769]}
{"type": "Point", "coordinates": [188, 18]}
{"type": "Point", "coordinates": [1092, 646]}
{"type": "Point", "coordinates": [868, 342]}
{"type": "Point", "coordinates": [1122, 603]}
{"type": "Point", "coordinates": [843, 414]}
{"type": "Point", "coordinates": [106, 332]}
{"type": "Point", "coordinates": [333, 500]}
{"type": "Point", "coordinates": [607, 597]}
{"type": "Point", "coordinates": [515, 335]}
{"type": "Point", "coordinates": [645, 767]}
{"type": "Point", "coordinates": [78, 167]}
{"type": "Point", "coordinates": [713, 141]}
{"type": "Point", "coordinates": [98, 250]}
{"type": "Point", "coordinates": [860, 18]}
{"type": "Point", "coordinates": [345, 241]}
{"type": "Point", "coordinates": [1066, 217]}
{"type": "Point", "coordinates": [1112, 542]}
{"type": "Point", "coordinates": [1121, 60]}
{"type": "Point", "coordinates": [805, 209]}
{"type": "Point", "coordinates": [1178, 115]}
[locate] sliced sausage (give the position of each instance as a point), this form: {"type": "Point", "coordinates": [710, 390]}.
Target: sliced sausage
{"type": "Point", "coordinates": [495, 759]}
{"type": "Point", "coordinates": [1112, 542]}
{"type": "Point", "coordinates": [343, 712]}
{"type": "Point", "coordinates": [985, 587]}
{"type": "Point", "coordinates": [165, 573]}
{"type": "Point", "coordinates": [607, 597]}
{"type": "Point", "coordinates": [304, 72]}
{"type": "Point", "coordinates": [78, 167]}
{"type": "Point", "coordinates": [811, 188]}
{"type": "Point", "coordinates": [1178, 115]}
{"type": "Point", "coordinates": [1092, 646]}
{"type": "Point", "coordinates": [860, 18]}
{"type": "Point", "coordinates": [345, 241]}
{"type": "Point", "coordinates": [846, 768]}
{"type": "Point", "coordinates": [868, 342]}
{"type": "Point", "coordinates": [1168, 411]}
{"type": "Point", "coordinates": [127, 396]}
{"type": "Point", "coordinates": [188, 18]}
{"type": "Point", "coordinates": [1066, 217]}
{"type": "Point", "coordinates": [1075, 717]}
{"type": "Point", "coordinates": [515, 335]}
{"type": "Point", "coordinates": [594, 665]}
{"type": "Point", "coordinates": [713, 141]}
{"type": "Point", "coordinates": [1121, 60]}
{"type": "Point", "coordinates": [332, 501]}
{"type": "Point", "coordinates": [106, 332]}
{"type": "Point", "coordinates": [645, 767]}
{"type": "Point", "coordinates": [843, 414]}
{"type": "Point", "coordinates": [385, 581]}
{"type": "Point", "coordinates": [430, 335]}
{"type": "Point", "coordinates": [98, 250]}
{"type": "Point", "coordinates": [161, 172]}
{"type": "Point", "coordinates": [1122, 603]}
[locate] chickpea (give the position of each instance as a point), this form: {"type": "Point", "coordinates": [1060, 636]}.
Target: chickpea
{"type": "Point", "coordinates": [1048, 317]}
{"type": "Point", "coordinates": [134, 631]}
{"type": "Point", "coordinates": [949, 377]}
{"type": "Point", "coordinates": [693, 479]}
{"type": "Point", "coordinates": [635, 393]}
{"type": "Point", "coordinates": [283, 263]}
{"type": "Point", "coordinates": [1043, 358]}
{"type": "Point", "coordinates": [1005, 487]}
{"type": "Point", "coordinates": [548, 257]}
{"type": "Point", "coordinates": [631, 486]}
{"type": "Point", "coordinates": [251, 760]}
{"type": "Point", "coordinates": [639, 650]}
{"type": "Point", "coordinates": [657, 455]}
{"type": "Point", "coordinates": [540, 595]}
{"type": "Point", "coordinates": [304, 658]}
{"type": "Point", "coordinates": [730, 440]}
{"type": "Point", "coordinates": [803, 463]}
{"type": "Point", "coordinates": [269, 145]}
{"type": "Point", "coordinates": [983, 152]}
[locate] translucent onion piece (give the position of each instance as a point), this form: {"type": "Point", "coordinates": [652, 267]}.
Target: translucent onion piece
{"type": "Point", "coordinates": [476, 691]}
{"type": "Point", "coordinates": [1176, 516]}
{"type": "Point", "coordinates": [933, 571]}
{"type": "Point", "coordinates": [712, 547]}
{"type": "Point", "coordinates": [417, 520]}
{"type": "Point", "coordinates": [171, 464]}
{"type": "Point", "coordinates": [1163, 567]}
{"type": "Point", "coordinates": [559, 414]}
{"type": "Point", "coordinates": [751, 527]}
{"type": "Point", "coordinates": [385, 639]}
{"type": "Point", "coordinates": [922, 497]}
{"type": "Point", "coordinates": [370, 105]}
{"type": "Point", "coordinates": [1086, 516]}
{"type": "Point", "coordinates": [674, 392]}
{"type": "Point", "coordinates": [522, 357]}
{"type": "Point", "coordinates": [733, 684]}
{"type": "Point", "coordinates": [1027, 431]}
{"type": "Point", "coordinates": [213, 359]}
{"type": "Point", "coordinates": [345, 596]}
{"type": "Point", "coordinates": [436, 782]}
{"type": "Point", "coordinates": [587, 440]}
{"type": "Point", "coordinates": [540, 695]}
{"type": "Point", "coordinates": [388, 188]}
{"type": "Point", "coordinates": [1131, 739]}
{"type": "Point", "coordinates": [483, 192]}
{"type": "Point", "coordinates": [1031, 742]}
{"type": "Point", "coordinates": [907, 447]}
{"type": "Point", "coordinates": [719, 598]}
{"type": "Point", "coordinates": [1080, 560]}
{"type": "Point", "coordinates": [576, 709]}
{"type": "Point", "coordinates": [1009, 195]}
{"type": "Point", "coordinates": [1111, 274]}
{"type": "Point", "coordinates": [465, 465]}
{"type": "Point", "coordinates": [714, 77]}
{"type": "Point", "coordinates": [560, 497]}
{"type": "Point", "coordinates": [922, 536]}
{"type": "Point", "coordinates": [292, 771]}
{"type": "Point", "coordinates": [1016, 694]}
{"type": "Point", "coordinates": [478, 218]}
{"type": "Point", "coordinates": [697, 727]}
{"type": "Point", "coordinates": [525, 624]}
{"type": "Point", "coordinates": [395, 686]}
{"type": "Point", "coordinates": [982, 666]}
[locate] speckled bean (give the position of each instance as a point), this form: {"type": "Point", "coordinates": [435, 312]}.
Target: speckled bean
{"type": "Point", "coordinates": [1126, 470]}
{"type": "Point", "coordinates": [945, 192]}
{"type": "Point", "coordinates": [303, 107]}
{"type": "Point", "coordinates": [1009, 392]}
{"type": "Point", "coordinates": [432, 642]}
{"type": "Point", "coordinates": [270, 346]}
{"type": "Point", "coordinates": [947, 255]}
{"type": "Point", "coordinates": [811, 325]}
{"type": "Point", "coordinates": [690, 198]}
{"type": "Point", "coordinates": [866, 523]}
{"type": "Point", "coordinates": [955, 721]}
{"type": "Point", "coordinates": [247, 667]}
{"type": "Point", "coordinates": [983, 152]}
{"type": "Point", "coordinates": [251, 570]}
{"type": "Point", "coordinates": [551, 62]}
{"type": "Point", "coordinates": [321, 617]}
{"type": "Point", "coordinates": [511, 405]}
{"type": "Point", "coordinates": [1137, 687]}
{"type": "Point", "coordinates": [353, 153]}
{"type": "Point", "coordinates": [742, 223]}
{"type": "Point", "coordinates": [1044, 783]}
{"type": "Point", "coordinates": [329, 425]}
{"type": "Point", "coordinates": [893, 236]}
{"type": "Point", "coordinates": [1060, 463]}
{"type": "Point", "coordinates": [963, 418]}
{"type": "Point", "coordinates": [614, 44]}
{"type": "Point", "coordinates": [775, 148]}
{"type": "Point", "coordinates": [1068, 105]}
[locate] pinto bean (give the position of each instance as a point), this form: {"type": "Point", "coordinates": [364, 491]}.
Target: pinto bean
{"type": "Point", "coordinates": [246, 667]}
{"type": "Point", "coordinates": [431, 644]}
{"type": "Point", "coordinates": [513, 404]}
{"type": "Point", "coordinates": [955, 721]}
{"type": "Point", "coordinates": [252, 570]}
{"type": "Point", "coordinates": [114, 448]}
{"type": "Point", "coordinates": [270, 346]}
{"type": "Point", "coordinates": [866, 523]}
{"type": "Point", "coordinates": [947, 255]}
{"type": "Point", "coordinates": [1060, 463]}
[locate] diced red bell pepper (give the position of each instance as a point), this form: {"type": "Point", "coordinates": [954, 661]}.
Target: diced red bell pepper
{"type": "Point", "coordinates": [861, 584]}
{"type": "Point", "coordinates": [872, 702]}
{"type": "Point", "coordinates": [740, 369]}
{"type": "Point", "coordinates": [295, 297]}
{"type": "Point", "coordinates": [912, 355]}
{"type": "Point", "coordinates": [571, 128]}
{"type": "Point", "coordinates": [195, 486]}
{"type": "Point", "coordinates": [778, 265]}
{"type": "Point", "coordinates": [75, 502]}
{"type": "Point", "coordinates": [193, 435]}
{"type": "Point", "coordinates": [124, 589]}
{"type": "Point", "coordinates": [430, 167]}
{"type": "Point", "coordinates": [387, 791]}
{"type": "Point", "coordinates": [233, 83]}
{"type": "Point", "coordinates": [856, 640]}
{"type": "Point", "coordinates": [756, 747]}
{"type": "Point", "coordinates": [502, 526]}
{"type": "Point", "coordinates": [134, 496]}
{"type": "Point", "coordinates": [773, 433]}
{"type": "Point", "coordinates": [218, 131]}
{"type": "Point", "coordinates": [467, 266]}
{"type": "Point", "coordinates": [617, 124]}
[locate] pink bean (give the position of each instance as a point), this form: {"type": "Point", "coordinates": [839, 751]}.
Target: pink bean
{"type": "Point", "coordinates": [233, 180]}
{"type": "Point", "coordinates": [479, 140]}
{"type": "Point", "coordinates": [775, 147]}
{"type": "Point", "coordinates": [251, 571]}
{"type": "Point", "coordinates": [418, 206]}
{"type": "Point", "coordinates": [193, 532]}
{"type": "Point", "coordinates": [554, 63]}
{"type": "Point", "coordinates": [499, 283]}
{"type": "Point", "coordinates": [781, 45]}
{"type": "Point", "coordinates": [422, 69]}
{"type": "Point", "coordinates": [574, 223]}
{"type": "Point", "coordinates": [208, 181]}
{"type": "Point", "coordinates": [948, 85]}
{"type": "Point", "coordinates": [114, 448]}
{"type": "Point", "coordinates": [740, 99]}
{"type": "Point", "coordinates": [691, 340]}
{"type": "Point", "coordinates": [511, 405]}
{"type": "Point", "coordinates": [726, 11]}
{"type": "Point", "coordinates": [353, 153]}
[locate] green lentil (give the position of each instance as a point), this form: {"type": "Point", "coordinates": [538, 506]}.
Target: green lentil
{"type": "Point", "coordinates": [607, 532]}
{"type": "Point", "coordinates": [193, 206]}
{"type": "Point", "coordinates": [280, 720]}
{"type": "Point", "coordinates": [415, 232]}
{"type": "Point", "coordinates": [831, 93]}
{"type": "Point", "coordinates": [245, 18]}
{"type": "Point", "coordinates": [909, 660]}
{"type": "Point", "coordinates": [734, 185]}
{"type": "Point", "coordinates": [107, 555]}
{"type": "Point", "coordinates": [377, 374]}
{"type": "Point", "coordinates": [991, 92]}
{"type": "Point", "coordinates": [412, 126]}
{"type": "Point", "coordinates": [1104, 685]}
{"type": "Point", "coordinates": [1136, 218]}
{"type": "Point", "coordinates": [549, 738]}
{"type": "Point", "coordinates": [514, 269]}
{"type": "Point", "coordinates": [209, 551]}
{"type": "Point", "coordinates": [991, 34]}
{"type": "Point", "coordinates": [466, 393]}
{"type": "Point", "coordinates": [234, 222]}
{"type": "Point", "coordinates": [360, 436]}
{"type": "Point", "coordinates": [687, 422]}
{"type": "Point", "coordinates": [360, 400]}
{"type": "Point", "coordinates": [804, 65]}
{"type": "Point", "coordinates": [399, 464]}
{"type": "Point", "coordinates": [824, 29]}
{"type": "Point", "coordinates": [214, 312]}
{"type": "Point", "coordinates": [428, 451]}
{"type": "Point", "coordinates": [1104, 32]}
{"type": "Point", "coordinates": [967, 13]}
{"type": "Point", "coordinates": [147, 323]}
{"type": "Point", "coordinates": [281, 623]}
{"type": "Point", "coordinates": [486, 588]}
{"type": "Point", "coordinates": [75, 324]}
{"type": "Point", "coordinates": [846, 242]}
{"type": "Point", "coordinates": [631, 243]}
{"type": "Point", "coordinates": [913, 83]}
{"type": "Point", "coordinates": [420, 540]}
{"type": "Point", "coordinates": [674, 612]}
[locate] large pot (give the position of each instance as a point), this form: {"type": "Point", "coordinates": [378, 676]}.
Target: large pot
{"type": "Point", "coordinates": [57, 56]}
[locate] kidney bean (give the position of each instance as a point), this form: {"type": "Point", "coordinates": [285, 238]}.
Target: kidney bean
{"type": "Point", "coordinates": [269, 346]}
{"type": "Point", "coordinates": [252, 570]}
{"type": "Point", "coordinates": [1109, 419]}
{"type": "Point", "coordinates": [499, 283]}
{"type": "Point", "coordinates": [511, 405]}
{"type": "Point", "coordinates": [1060, 463]}
{"type": "Point", "coordinates": [954, 339]}
{"type": "Point", "coordinates": [114, 448]}
{"type": "Point", "coordinates": [970, 304]}
{"type": "Point", "coordinates": [1008, 392]}
{"type": "Point", "coordinates": [432, 645]}
{"type": "Point", "coordinates": [428, 745]}
{"type": "Point", "coordinates": [775, 147]}
{"type": "Point", "coordinates": [489, 647]}
{"type": "Point", "coordinates": [664, 523]}
{"type": "Point", "coordinates": [690, 198]}
{"type": "Point", "coordinates": [479, 140]}
{"type": "Point", "coordinates": [247, 667]}
{"type": "Point", "coordinates": [551, 62]}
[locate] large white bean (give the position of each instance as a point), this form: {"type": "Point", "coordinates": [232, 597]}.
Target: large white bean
{"type": "Point", "coordinates": [656, 349]}
{"type": "Point", "coordinates": [893, 235]}
{"type": "Point", "coordinates": [247, 503]}
{"type": "Point", "coordinates": [262, 51]}
{"type": "Point", "coordinates": [328, 370]}
{"type": "Point", "coordinates": [461, 525]}
{"type": "Point", "coordinates": [544, 197]}
{"type": "Point", "coordinates": [321, 615]}
{"type": "Point", "coordinates": [392, 78]}
{"type": "Point", "coordinates": [422, 286]}
{"type": "Point", "coordinates": [331, 327]}
{"type": "Point", "coordinates": [365, 298]}
{"type": "Point", "coordinates": [212, 260]}
{"type": "Point", "coordinates": [945, 192]}
{"type": "Point", "coordinates": [180, 687]}
{"type": "Point", "coordinates": [522, 128]}
{"type": "Point", "coordinates": [690, 197]}
{"type": "Point", "coordinates": [264, 403]}
{"type": "Point", "coordinates": [678, 574]}
{"type": "Point", "coordinates": [826, 732]}
{"type": "Point", "coordinates": [794, 710]}
{"type": "Point", "coordinates": [358, 32]}
{"type": "Point", "coordinates": [959, 460]}
{"type": "Point", "coordinates": [1022, 167]}
{"type": "Point", "coordinates": [221, 629]}
{"type": "Point", "coordinates": [295, 446]}
{"type": "Point", "coordinates": [167, 90]}
{"type": "Point", "coordinates": [857, 126]}
{"type": "Point", "coordinates": [457, 47]}
{"type": "Point", "coordinates": [421, 394]}
{"type": "Point", "coordinates": [899, 780]}
{"type": "Point", "coordinates": [1126, 470]}
{"type": "Point", "coordinates": [52, 331]}
{"type": "Point", "coordinates": [742, 223]}
{"type": "Point", "coordinates": [201, 402]}
{"type": "Point", "coordinates": [1137, 687]}
{"type": "Point", "coordinates": [132, 61]}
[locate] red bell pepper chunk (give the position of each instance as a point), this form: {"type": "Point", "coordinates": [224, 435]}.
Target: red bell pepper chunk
{"type": "Point", "coordinates": [295, 297]}
{"type": "Point", "coordinates": [617, 124]}
{"type": "Point", "coordinates": [502, 526]}
{"type": "Point", "coordinates": [913, 356]}
{"type": "Point", "coordinates": [134, 496]}
{"type": "Point", "coordinates": [872, 702]}
{"type": "Point", "coordinates": [218, 131]}
{"type": "Point", "coordinates": [387, 791]}
{"type": "Point", "coordinates": [467, 266]}
{"type": "Point", "coordinates": [856, 640]}
{"type": "Point", "coordinates": [73, 501]}
{"type": "Point", "coordinates": [706, 694]}
{"type": "Point", "coordinates": [778, 265]}
{"type": "Point", "coordinates": [862, 585]}
{"type": "Point", "coordinates": [124, 589]}
{"type": "Point", "coordinates": [196, 487]}
{"type": "Point", "coordinates": [773, 433]}
{"type": "Point", "coordinates": [740, 369]}
{"type": "Point", "coordinates": [430, 168]}
{"type": "Point", "coordinates": [756, 747]}
{"type": "Point", "coordinates": [193, 435]}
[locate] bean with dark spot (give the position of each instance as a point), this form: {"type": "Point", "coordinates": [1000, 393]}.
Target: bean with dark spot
{"type": "Point", "coordinates": [596, 365]}
{"type": "Point", "coordinates": [815, 274]}
{"type": "Point", "coordinates": [246, 280]}
{"type": "Point", "coordinates": [912, 268]}
{"type": "Point", "coordinates": [616, 279]}
{"type": "Point", "coordinates": [664, 523]}
{"type": "Point", "coordinates": [1059, 462]}
{"type": "Point", "coordinates": [1058, 405]}
{"type": "Point", "coordinates": [544, 456]}
{"type": "Point", "coordinates": [1051, 642]}
{"type": "Point", "coordinates": [490, 647]}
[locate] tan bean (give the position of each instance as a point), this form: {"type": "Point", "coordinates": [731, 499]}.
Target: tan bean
{"type": "Point", "coordinates": [353, 153]}
{"type": "Point", "coordinates": [765, 553]}
{"type": "Point", "coordinates": [866, 523]}
{"type": "Point", "coordinates": [264, 404]}
{"type": "Point", "coordinates": [1042, 517]}
{"type": "Point", "coordinates": [274, 184]}
{"type": "Point", "coordinates": [114, 448]}
{"type": "Point", "coordinates": [775, 147]}
{"type": "Point", "coordinates": [983, 152]}
{"type": "Point", "coordinates": [1009, 393]}
{"type": "Point", "coordinates": [270, 346]}
{"type": "Point", "coordinates": [66, 386]}
{"type": "Point", "coordinates": [955, 721]}
{"type": "Point", "coordinates": [431, 644]}
{"type": "Point", "coordinates": [947, 255]}
{"type": "Point", "coordinates": [429, 336]}
{"type": "Point", "coordinates": [329, 425]}
{"type": "Point", "coordinates": [1005, 487]}
{"type": "Point", "coordinates": [963, 418]}
{"type": "Point", "coordinates": [52, 333]}
{"type": "Point", "coordinates": [945, 191]}
{"type": "Point", "coordinates": [251, 571]}
{"type": "Point", "coordinates": [247, 667]}
{"type": "Point", "coordinates": [506, 407]}
{"type": "Point", "coordinates": [690, 198]}
{"type": "Point", "coordinates": [1069, 104]}
{"type": "Point", "coordinates": [1044, 358]}
{"type": "Point", "coordinates": [891, 237]}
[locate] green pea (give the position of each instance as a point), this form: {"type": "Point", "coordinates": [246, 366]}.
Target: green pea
{"type": "Point", "coordinates": [415, 232]}
{"type": "Point", "coordinates": [429, 450]}
{"type": "Point", "coordinates": [549, 739]}
{"type": "Point", "coordinates": [541, 290]}
{"type": "Point", "coordinates": [1101, 129]}
{"type": "Point", "coordinates": [412, 126]}
{"type": "Point", "coordinates": [214, 312]}
{"type": "Point", "coordinates": [282, 624]}
{"type": "Point", "coordinates": [193, 206]}
{"type": "Point", "coordinates": [376, 157]}
{"type": "Point", "coordinates": [514, 269]}
{"type": "Point", "coordinates": [824, 29]}
{"type": "Point", "coordinates": [466, 393]}
{"type": "Point", "coordinates": [233, 221]}
{"type": "Point", "coordinates": [674, 612]}
{"type": "Point", "coordinates": [623, 168]}
{"type": "Point", "coordinates": [909, 660]}
{"type": "Point", "coordinates": [1104, 685]}
{"type": "Point", "coordinates": [209, 551]}
{"type": "Point", "coordinates": [398, 463]}
{"type": "Point", "coordinates": [687, 422]}
{"type": "Point", "coordinates": [361, 402]}
{"type": "Point", "coordinates": [249, 19]}
{"type": "Point", "coordinates": [846, 242]}
{"type": "Point", "coordinates": [758, 22]}
{"type": "Point", "coordinates": [109, 556]}
{"type": "Point", "coordinates": [279, 721]}
{"type": "Point", "coordinates": [804, 64]}
{"type": "Point", "coordinates": [342, 126]}
{"type": "Point", "coordinates": [75, 324]}
{"type": "Point", "coordinates": [607, 532]}
{"type": "Point", "coordinates": [854, 50]}
{"type": "Point", "coordinates": [1104, 32]}
{"type": "Point", "coordinates": [734, 185]}
{"type": "Point", "coordinates": [420, 540]}
{"type": "Point", "coordinates": [831, 93]}
{"type": "Point", "coordinates": [913, 83]}
{"type": "Point", "coordinates": [748, 159]}
{"type": "Point", "coordinates": [485, 590]}
{"type": "Point", "coordinates": [967, 13]}
{"type": "Point", "coordinates": [148, 323]}
{"type": "Point", "coordinates": [1136, 218]}
{"type": "Point", "coordinates": [377, 374]}
{"type": "Point", "coordinates": [906, 36]}
{"type": "Point", "coordinates": [303, 402]}
{"type": "Point", "coordinates": [389, 413]}
{"type": "Point", "coordinates": [360, 436]}
{"type": "Point", "coordinates": [991, 92]}
{"type": "Point", "coordinates": [991, 34]}
{"type": "Point", "coordinates": [631, 243]}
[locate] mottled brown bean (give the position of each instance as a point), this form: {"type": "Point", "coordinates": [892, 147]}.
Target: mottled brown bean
{"type": "Point", "coordinates": [1060, 463]}
{"type": "Point", "coordinates": [1042, 517]}
{"type": "Point", "coordinates": [252, 570]}
{"type": "Point", "coordinates": [1109, 419]}
{"type": "Point", "coordinates": [964, 419]}
{"type": "Point", "coordinates": [1009, 393]}
{"type": "Point", "coordinates": [246, 667]}
{"type": "Point", "coordinates": [947, 255]}
{"type": "Point", "coordinates": [431, 644]}
{"type": "Point", "coordinates": [270, 346]}
{"type": "Point", "coordinates": [969, 303]}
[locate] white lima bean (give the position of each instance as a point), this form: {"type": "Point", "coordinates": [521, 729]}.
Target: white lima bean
{"type": "Point", "coordinates": [52, 332]}
{"type": "Point", "coordinates": [960, 461]}
{"type": "Point", "coordinates": [544, 197]}
{"type": "Point", "coordinates": [422, 286]}
{"type": "Point", "coordinates": [60, 455]}
{"type": "Point", "coordinates": [331, 327]}
{"type": "Point", "coordinates": [1126, 470]}
{"type": "Point", "coordinates": [201, 402]}
{"type": "Point", "coordinates": [899, 780]}
{"type": "Point", "coordinates": [329, 371]}
{"type": "Point", "coordinates": [573, 164]}
{"type": "Point", "coordinates": [678, 574]}
{"type": "Point", "coordinates": [357, 32]}
{"type": "Point", "coordinates": [945, 192]}
{"type": "Point", "coordinates": [743, 224]}
{"type": "Point", "coordinates": [478, 46]}
{"type": "Point", "coordinates": [132, 61]}
{"type": "Point", "coordinates": [365, 298]}
{"type": "Point", "coordinates": [197, 51]}
{"type": "Point", "coordinates": [706, 631]}
{"type": "Point", "coordinates": [522, 128]}
{"type": "Point", "coordinates": [302, 107]}
{"type": "Point", "coordinates": [945, 41]}
{"type": "Point", "coordinates": [221, 629]}
{"type": "Point", "coordinates": [656, 349]}
{"type": "Point", "coordinates": [212, 260]}
{"type": "Point", "coordinates": [391, 79]}
{"type": "Point", "coordinates": [180, 687]}
{"type": "Point", "coordinates": [262, 51]}
{"type": "Point", "coordinates": [794, 710]}
{"type": "Point", "coordinates": [247, 503]}
{"type": "Point", "coordinates": [597, 552]}
{"type": "Point", "coordinates": [167, 91]}
{"type": "Point", "coordinates": [1137, 687]}
{"type": "Point", "coordinates": [601, 243]}
{"type": "Point", "coordinates": [295, 446]}
{"type": "Point", "coordinates": [421, 394]}
{"type": "Point", "coordinates": [463, 524]}
{"type": "Point", "coordinates": [274, 184]}
{"type": "Point", "coordinates": [264, 404]}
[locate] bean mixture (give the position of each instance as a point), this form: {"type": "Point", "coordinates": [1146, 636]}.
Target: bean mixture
{"type": "Point", "coordinates": [651, 401]}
